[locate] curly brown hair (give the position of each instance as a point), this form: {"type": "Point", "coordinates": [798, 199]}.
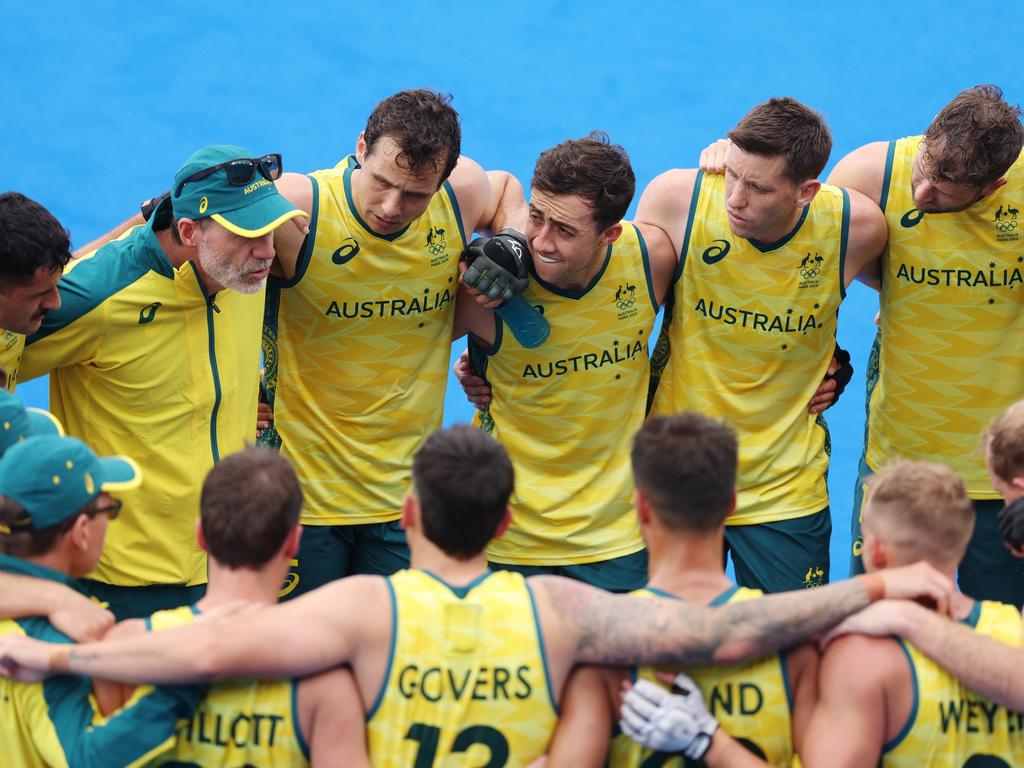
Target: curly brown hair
{"type": "Point", "coordinates": [974, 139]}
{"type": "Point", "coordinates": [423, 125]}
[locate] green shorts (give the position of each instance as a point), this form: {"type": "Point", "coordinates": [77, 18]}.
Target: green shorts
{"type": "Point", "coordinates": [782, 555]}
{"type": "Point", "coordinates": [329, 552]}
{"type": "Point", "coordinates": [142, 602]}
{"type": "Point", "coordinates": [988, 570]}
{"type": "Point", "coordinates": [620, 574]}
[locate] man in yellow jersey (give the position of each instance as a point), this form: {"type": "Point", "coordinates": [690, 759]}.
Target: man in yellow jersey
{"type": "Point", "coordinates": [34, 249]}
{"type": "Point", "coordinates": [991, 668]}
{"type": "Point", "coordinates": [55, 505]}
{"type": "Point", "coordinates": [566, 411]}
{"type": "Point", "coordinates": [685, 472]}
{"type": "Point", "coordinates": [450, 657]}
{"type": "Point", "coordinates": [249, 525]}
{"type": "Point", "coordinates": [155, 352]}
{"type": "Point", "coordinates": [766, 253]}
{"type": "Point", "coordinates": [950, 341]}
{"type": "Point", "coordinates": [362, 312]}
{"type": "Point", "coordinates": [882, 697]}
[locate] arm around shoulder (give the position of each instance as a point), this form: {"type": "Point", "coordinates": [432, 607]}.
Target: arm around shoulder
{"type": "Point", "coordinates": [665, 203]}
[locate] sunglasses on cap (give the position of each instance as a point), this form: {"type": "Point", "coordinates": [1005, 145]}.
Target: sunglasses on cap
{"type": "Point", "coordinates": [240, 171]}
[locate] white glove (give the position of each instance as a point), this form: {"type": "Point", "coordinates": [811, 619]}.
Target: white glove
{"type": "Point", "coordinates": [666, 722]}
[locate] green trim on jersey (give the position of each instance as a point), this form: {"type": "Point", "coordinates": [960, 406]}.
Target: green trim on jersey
{"type": "Point", "coordinates": [347, 178]}
{"type": "Point", "coordinates": [725, 597]}
{"type": "Point", "coordinates": [647, 267]}
{"type": "Point", "coordinates": [768, 247]}
{"type": "Point", "coordinates": [393, 643]}
{"type": "Point", "coordinates": [214, 371]}
{"type": "Point", "coordinates": [543, 648]}
{"type": "Point", "coordinates": [114, 267]}
{"type": "Point", "coordinates": [887, 176]}
{"type": "Point", "coordinates": [455, 210]}
{"type": "Point", "coordinates": [844, 237]}
{"type": "Point", "coordinates": [460, 592]}
{"type": "Point", "coordinates": [912, 717]}
{"type": "Point", "coordinates": [296, 720]}
{"type": "Point", "coordinates": [574, 294]}
{"type": "Point", "coordinates": [306, 251]}
{"type": "Point", "coordinates": [689, 229]}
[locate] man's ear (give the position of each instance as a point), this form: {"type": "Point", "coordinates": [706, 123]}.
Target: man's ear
{"type": "Point", "coordinates": [187, 229]}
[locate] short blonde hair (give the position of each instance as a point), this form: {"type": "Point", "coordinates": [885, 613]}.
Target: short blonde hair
{"type": "Point", "coordinates": [1005, 438]}
{"type": "Point", "coordinates": [921, 510]}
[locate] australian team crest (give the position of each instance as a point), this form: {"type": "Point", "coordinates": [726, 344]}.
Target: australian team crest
{"type": "Point", "coordinates": [1005, 223]}
{"type": "Point", "coordinates": [437, 246]}
{"type": "Point", "coordinates": [625, 300]}
{"type": "Point", "coordinates": [810, 270]}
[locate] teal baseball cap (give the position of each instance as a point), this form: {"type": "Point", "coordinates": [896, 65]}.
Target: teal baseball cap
{"type": "Point", "coordinates": [234, 188]}
{"type": "Point", "coordinates": [53, 477]}
{"type": "Point", "coordinates": [18, 423]}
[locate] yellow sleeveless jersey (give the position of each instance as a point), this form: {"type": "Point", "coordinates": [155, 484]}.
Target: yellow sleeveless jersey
{"type": "Point", "coordinates": [567, 412]}
{"type": "Point", "coordinates": [11, 346]}
{"type": "Point", "coordinates": [240, 722]}
{"type": "Point", "coordinates": [467, 682]}
{"type": "Point", "coordinates": [144, 363]}
{"type": "Point", "coordinates": [751, 701]}
{"type": "Point", "coordinates": [363, 343]}
{"type": "Point", "coordinates": [748, 338]}
{"type": "Point", "coordinates": [951, 725]}
{"type": "Point", "coordinates": [951, 335]}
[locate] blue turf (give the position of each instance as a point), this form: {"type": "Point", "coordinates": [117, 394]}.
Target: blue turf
{"type": "Point", "coordinates": [104, 100]}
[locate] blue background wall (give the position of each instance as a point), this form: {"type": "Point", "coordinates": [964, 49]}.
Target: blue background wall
{"type": "Point", "coordinates": [103, 101]}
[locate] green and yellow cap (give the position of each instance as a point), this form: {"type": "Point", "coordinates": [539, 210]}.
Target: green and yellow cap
{"type": "Point", "coordinates": [250, 210]}
{"type": "Point", "coordinates": [53, 477]}
{"type": "Point", "coordinates": [18, 423]}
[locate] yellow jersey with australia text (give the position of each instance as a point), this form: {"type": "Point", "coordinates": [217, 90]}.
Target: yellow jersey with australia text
{"type": "Point", "coordinates": [240, 722]}
{"type": "Point", "coordinates": [11, 346]}
{"type": "Point", "coordinates": [567, 412]}
{"type": "Point", "coordinates": [751, 701]}
{"type": "Point", "coordinates": [951, 725]}
{"type": "Point", "coordinates": [363, 343]}
{"type": "Point", "coordinates": [145, 363]}
{"type": "Point", "coordinates": [949, 354]}
{"type": "Point", "coordinates": [467, 682]}
{"type": "Point", "coordinates": [748, 339]}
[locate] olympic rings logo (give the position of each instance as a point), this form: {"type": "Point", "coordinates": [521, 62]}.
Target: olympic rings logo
{"type": "Point", "coordinates": [809, 273]}
{"type": "Point", "coordinates": [626, 303]}
{"type": "Point", "coordinates": [438, 248]}
{"type": "Point", "coordinates": [1006, 226]}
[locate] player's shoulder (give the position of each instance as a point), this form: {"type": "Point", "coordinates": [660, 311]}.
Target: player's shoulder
{"type": "Point", "coordinates": [860, 662]}
{"type": "Point", "coordinates": [863, 170]}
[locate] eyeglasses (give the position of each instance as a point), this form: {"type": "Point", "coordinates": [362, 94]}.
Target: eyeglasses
{"type": "Point", "coordinates": [112, 510]}
{"type": "Point", "coordinates": [240, 171]}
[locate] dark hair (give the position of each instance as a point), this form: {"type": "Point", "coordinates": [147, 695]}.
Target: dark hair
{"type": "Point", "coordinates": [31, 238]}
{"type": "Point", "coordinates": [462, 479]}
{"type": "Point", "coordinates": [249, 504]}
{"type": "Point", "coordinates": [423, 125]}
{"type": "Point", "coordinates": [974, 139]}
{"type": "Point", "coordinates": [24, 541]}
{"type": "Point", "coordinates": [686, 466]}
{"type": "Point", "coordinates": [786, 128]}
{"type": "Point", "coordinates": [593, 168]}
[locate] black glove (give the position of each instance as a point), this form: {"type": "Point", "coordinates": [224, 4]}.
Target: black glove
{"type": "Point", "coordinates": [148, 206]}
{"type": "Point", "coordinates": [844, 373]}
{"type": "Point", "coordinates": [1011, 524]}
{"type": "Point", "coordinates": [498, 266]}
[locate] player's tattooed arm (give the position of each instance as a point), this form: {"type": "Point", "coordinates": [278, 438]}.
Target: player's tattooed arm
{"type": "Point", "coordinates": [612, 629]}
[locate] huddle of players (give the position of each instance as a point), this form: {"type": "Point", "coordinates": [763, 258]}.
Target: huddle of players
{"type": "Point", "coordinates": [590, 272]}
